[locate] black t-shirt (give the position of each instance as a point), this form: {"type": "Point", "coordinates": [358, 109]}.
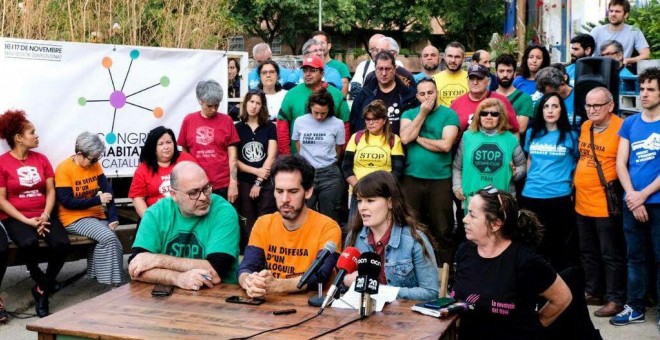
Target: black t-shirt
{"type": "Point", "coordinates": [394, 109]}
{"type": "Point", "coordinates": [253, 147]}
{"type": "Point", "coordinates": [504, 291]}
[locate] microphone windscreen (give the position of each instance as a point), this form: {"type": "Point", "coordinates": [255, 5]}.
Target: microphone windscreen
{"type": "Point", "coordinates": [369, 264]}
{"type": "Point", "coordinates": [348, 260]}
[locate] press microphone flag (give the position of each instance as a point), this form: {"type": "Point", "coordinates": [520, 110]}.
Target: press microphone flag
{"type": "Point", "coordinates": [329, 248]}
{"type": "Point", "coordinates": [346, 264]}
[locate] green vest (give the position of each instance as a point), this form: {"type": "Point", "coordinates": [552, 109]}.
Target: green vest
{"type": "Point", "coordinates": [487, 161]}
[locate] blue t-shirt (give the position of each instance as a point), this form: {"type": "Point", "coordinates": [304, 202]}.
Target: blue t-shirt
{"type": "Point", "coordinates": [330, 75]}
{"type": "Point", "coordinates": [525, 85]}
{"type": "Point", "coordinates": [570, 107]}
{"type": "Point", "coordinates": [253, 77]}
{"type": "Point", "coordinates": [644, 158]}
{"type": "Point", "coordinates": [551, 170]}
{"type": "Point", "coordinates": [570, 71]}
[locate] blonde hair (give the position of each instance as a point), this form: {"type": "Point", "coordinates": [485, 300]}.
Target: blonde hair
{"type": "Point", "coordinates": [502, 122]}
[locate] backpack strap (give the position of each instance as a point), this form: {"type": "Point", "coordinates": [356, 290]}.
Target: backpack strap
{"type": "Point", "coordinates": [359, 134]}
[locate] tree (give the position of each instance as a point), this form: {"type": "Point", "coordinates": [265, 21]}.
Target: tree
{"type": "Point", "coordinates": [473, 23]}
{"type": "Point", "coordinates": [270, 19]}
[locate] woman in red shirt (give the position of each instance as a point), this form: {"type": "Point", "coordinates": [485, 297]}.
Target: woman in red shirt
{"type": "Point", "coordinates": [151, 180]}
{"type": "Point", "coordinates": [27, 198]}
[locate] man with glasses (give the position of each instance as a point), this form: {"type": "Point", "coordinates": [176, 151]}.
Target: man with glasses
{"type": "Point", "coordinates": [294, 104]}
{"type": "Point", "coordinates": [190, 239]}
{"type": "Point", "coordinates": [388, 87]}
{"type": "Point", "coordinates": [452, 82]}
{"type": "Point", "coordinates": [632, 38]}
{"type": "Point", "coordinates": [614, 50]}
{"type": "Point", "coordinates": [602, 245]}
{"type": "Point", "coordinates": [314, 48]}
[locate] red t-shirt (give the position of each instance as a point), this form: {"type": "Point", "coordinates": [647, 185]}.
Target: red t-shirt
{"type": "Point", "coordinates": [465, 107]}
{"type": "Point", "coordinates": [208, 140]}
{"type": "Point", "coordinates": [25, 182]}
{"type": "Point", "coordinates": [154, 186]}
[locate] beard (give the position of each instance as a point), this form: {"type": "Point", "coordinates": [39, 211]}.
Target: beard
{"type": "Point", "coordinates": [430, 67]}
{"type": "Point", "coordinates": [505, 83]}
{"type": "Point", "coordinates": [292, 214]}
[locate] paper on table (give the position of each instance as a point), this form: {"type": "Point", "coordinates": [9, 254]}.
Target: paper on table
{"type": "Point", "coordinates": [351, 300]}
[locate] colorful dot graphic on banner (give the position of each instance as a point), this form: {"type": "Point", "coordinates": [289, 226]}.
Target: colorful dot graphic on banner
{"type": "Point", "coordinates": [118, 98]}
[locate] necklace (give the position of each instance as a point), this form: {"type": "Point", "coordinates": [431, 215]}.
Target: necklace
{"type": "Point", "coordinates": [22, 161]}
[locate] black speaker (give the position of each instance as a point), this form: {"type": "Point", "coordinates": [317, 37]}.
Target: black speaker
{"type": "Point", "coordinates": [593, 72]}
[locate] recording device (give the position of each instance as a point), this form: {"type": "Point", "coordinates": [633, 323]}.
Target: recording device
{"type": "Point", "coordinates": [329, 248]}
{"type": "Point", "coordinates": [369, 266]}
{"type": "Point", "coordinates": [245, 300]}
{"type": "Point", "coordinates": [346, 264]}
{"type": "Point", "coordinates": [162, 290]}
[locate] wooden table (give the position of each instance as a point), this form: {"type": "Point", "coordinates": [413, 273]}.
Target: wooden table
{"type": "Point", "coordinates": [130, 312]}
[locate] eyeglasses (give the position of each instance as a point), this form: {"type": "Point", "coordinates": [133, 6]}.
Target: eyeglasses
{"type": "Point", "coordinates": [196, 193]}
{"type": "Point", "coordinates": [372, 119]}
{"type": "Point", "coordinates": [267, 72]}
{"type": "Point", "coordinates": [93, 159]}
{"type": "Point", "coordinates": [608, 54]}
{"type": "Point", "coordinates": [491, 190]}
{"type": "Point", "coordinates": [384, 69]}
{"type": "Point", "coordinates": [493, 114]}
{"type": "Point", "coordinates": [373, 50]}
{"type": "Point", "coordinates": [310, 70]}
{"type": "Point", "coordinates": [596, 107]}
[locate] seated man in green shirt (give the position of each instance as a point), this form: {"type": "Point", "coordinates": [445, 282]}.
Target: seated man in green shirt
{"type": "Point", "coordinates": [189, 239]}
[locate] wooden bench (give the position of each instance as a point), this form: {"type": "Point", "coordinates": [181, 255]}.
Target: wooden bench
{"type": "Point", "coordinates": [79, 246]}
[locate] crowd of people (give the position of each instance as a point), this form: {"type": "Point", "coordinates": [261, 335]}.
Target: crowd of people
{"type": "Point", "coordinates": [496, 174]}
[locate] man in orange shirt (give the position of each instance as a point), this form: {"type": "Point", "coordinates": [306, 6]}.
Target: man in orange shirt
{"type": "Point", "coordinates": [284, 244]}
{"type": "Point", "coordinates": [602, 246]}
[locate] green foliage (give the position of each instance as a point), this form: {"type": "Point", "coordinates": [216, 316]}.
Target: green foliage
{"type": "Point", "coordinates": [504, 44]}
{"type": "Point", "coordinates": [647, 19]}
{"type": "Point", "coordinates": [472, 23]}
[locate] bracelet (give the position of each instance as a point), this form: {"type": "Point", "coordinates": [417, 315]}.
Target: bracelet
{"type": "Point", "coordinates": [47, 215]}
{"type": "Point", "coordinates": [257, 183]}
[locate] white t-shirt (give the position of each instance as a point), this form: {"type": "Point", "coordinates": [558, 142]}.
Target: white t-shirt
{"type": "Point", "coordinates": [274, 102]}
{"type": "Point", "coordinates": [318, 140]}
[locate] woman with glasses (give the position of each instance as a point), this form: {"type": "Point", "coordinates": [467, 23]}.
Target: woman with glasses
{"type": "Point", "coordinates": [87, 208]}
{"type": "Point", "coordinates": [535, 58]}
{"type": "Point", "coordinates": [27, 199]}
{"type": "Point", "coordinates": [320, 138]}
{"type": "Point", "coordinates": [499, 274]}
{"type": "Point", "coordinates": [269, 73]}
{"type": "Point", "coordinates": [384, 222]}
{"type": "Point", "coordinates": [372, 149]}
{"type": "Point", "coordinates": [257, 151]}
{"type": "Point", "coordinates": [552, 149]}
{"type": "Point", "coordinates": [151, 180]}
{"type": "Point", "coordinates": [488, 154]}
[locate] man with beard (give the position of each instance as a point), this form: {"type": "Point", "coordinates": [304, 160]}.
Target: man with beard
{"type": "Point", "coordinates": [505, 67]}
{"type": "Point", "coordinates": [630, 37]}
{"type": "Point", "coordinates": [582, 46]}
{"type": "Point", "coordinates": [386, 86]}
{"type": "Point", "coordinates": [189, 239]}
{"type": "Point", "coordinates": [430, 63]}
{"type": "Point", "coordinates": [452, 82]}
{"type": "Point", "coordinates": [284, 244]}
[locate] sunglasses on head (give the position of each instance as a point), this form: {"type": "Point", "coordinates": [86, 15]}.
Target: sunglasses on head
{"type": "Point", "coordinates": [491, 113]}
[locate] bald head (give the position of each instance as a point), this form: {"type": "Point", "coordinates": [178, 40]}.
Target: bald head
{"type": "Point", "coordinates": [373, 41]}
{"type": "Point", "coordinates": [430, 59]}
{"type": "Point", "coordinates": [482, 57]}
{"type": "Point", "coordinates": [184, 172]}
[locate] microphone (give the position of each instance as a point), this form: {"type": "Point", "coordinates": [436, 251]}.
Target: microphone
{"type": "Point", "coordinates": [329, 248]}
{"type": "Point", "coordinates": [346, 264]}
{"type": "Point", "coordinates": [369, 266]}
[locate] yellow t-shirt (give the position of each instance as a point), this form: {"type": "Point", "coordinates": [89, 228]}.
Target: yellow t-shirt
{"type": "Point", "coordinates": [290, 253]}
{"type": "Point", "coordinates": [373, 155]}
{"type": "Point", "coordinates": [589, 193]}
{"type": "Point", "coordinates": [450, 86]}
{"type": "Point", "coordinates": [84, 183]}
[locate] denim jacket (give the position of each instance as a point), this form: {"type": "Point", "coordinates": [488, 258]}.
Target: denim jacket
{"type": "Point", "coordinates": [405, 264]}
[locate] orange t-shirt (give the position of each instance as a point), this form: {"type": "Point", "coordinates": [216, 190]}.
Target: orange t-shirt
{"type": "Point", "coordinates": [290, 253]}
{"type": "Point", "coordinates": [84, 183]}
{"type": "Point", "coordinates": [590, 195]}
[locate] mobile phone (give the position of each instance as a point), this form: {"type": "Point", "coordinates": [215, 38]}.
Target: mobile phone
{"type": "Point", "coordinates": [284, 311]}
{"type": "Point", "coordinates": [245, 300]}
{"type": "Point", "coordinates": [439, 303]}
{"type": "Point", "coordinates": [162, 290]}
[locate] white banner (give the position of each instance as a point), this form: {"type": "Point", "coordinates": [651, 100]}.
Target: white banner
{"type": "Point", "coordinates": [119, 92]}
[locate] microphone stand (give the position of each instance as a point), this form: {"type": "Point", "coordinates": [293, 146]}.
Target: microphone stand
{"type": "Point", "coordinates": [317, 300]}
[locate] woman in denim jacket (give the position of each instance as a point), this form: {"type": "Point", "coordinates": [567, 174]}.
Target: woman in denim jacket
{"type": "Point", "coordinates": [385, 225]}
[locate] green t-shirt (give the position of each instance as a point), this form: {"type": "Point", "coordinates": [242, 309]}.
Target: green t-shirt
{"type": "Point", "coordinates": [164, 230]}
{"type": "Point", "coordinates": [487, 161]}
{"type": "Point", "coordinates": [421, 162]}
{"type": "Point", "coordinates": [343, 70]}
{"type": "Point", "coordinates": [294, 105]}
{"type": "Point", "coordinates": [522, 103]}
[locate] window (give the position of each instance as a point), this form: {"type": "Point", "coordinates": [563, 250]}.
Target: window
{"type": "Point", "coordinates": [276, 48]}
{"type": "Point", "coordinates": [236, 43]}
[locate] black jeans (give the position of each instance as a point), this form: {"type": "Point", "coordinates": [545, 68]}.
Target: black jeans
{"type": "Point", "coordinates": [4, 253]}
{"type": "Point", "coordinates": [328, 191]}
{"type": "Point", "coordinates": [27, 239]}
{"type": "Point", "coordinates": [251, 209]}
{"type": "Point", "coordinates": [603, 254]}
